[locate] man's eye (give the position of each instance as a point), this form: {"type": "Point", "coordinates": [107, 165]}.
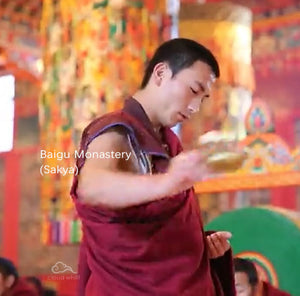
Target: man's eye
{"type": "Point", "coordinates": [193, 91]}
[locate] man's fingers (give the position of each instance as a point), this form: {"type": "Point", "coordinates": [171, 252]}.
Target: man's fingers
{"type": "Point", "coordinates": [223, 241]}
{"type": "Point", "coordinates": [211, 247]}
{"type": "Point", "coordinates": [218, 244]}
{"type": "Point", "coordinates": [224, 234]}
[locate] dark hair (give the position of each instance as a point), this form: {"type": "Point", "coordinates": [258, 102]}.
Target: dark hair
{"type": "Point", "coordinates": [248, 267]}
{"type": "Point", "coordinates": [7, 268]}
{"type": "Point", "coordinates": [36, 282]}
{"type": "Point", "coordinates": [49, 292]}
{"type": "Point", "coordinates": [180, 53]}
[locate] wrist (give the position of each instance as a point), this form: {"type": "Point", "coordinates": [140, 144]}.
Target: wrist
{"type": "Point", "coordinates": [165, 185]}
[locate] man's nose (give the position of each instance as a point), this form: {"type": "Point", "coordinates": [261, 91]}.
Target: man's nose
{"type": "Point", "coordinates": [194, 106]}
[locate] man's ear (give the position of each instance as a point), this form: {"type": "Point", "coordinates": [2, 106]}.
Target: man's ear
{"type": "Point", "coordinates": [160, 71]}
{"type": "Point", "coordinates": [9, 281]}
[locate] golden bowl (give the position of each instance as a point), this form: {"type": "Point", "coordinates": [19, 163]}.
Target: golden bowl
{"type": "Point", "coordinates": [226, 162]}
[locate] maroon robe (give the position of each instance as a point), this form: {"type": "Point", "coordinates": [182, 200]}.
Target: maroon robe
{"type": "Point", "coordinates": [269, 290]}
{"type": "Point", "coordinates": [156, 249]}
{"type": "Point", "coordinates": [21, 288]}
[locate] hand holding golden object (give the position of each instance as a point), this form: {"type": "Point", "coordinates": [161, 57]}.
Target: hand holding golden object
{"type": "Point", "coordinates": [225, 161]}
{"type": "Point", "coordinates": [223, 156]}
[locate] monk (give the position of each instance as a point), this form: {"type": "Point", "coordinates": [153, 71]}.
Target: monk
{"type": "Point", "coordinates": [247, 281]}
{"type": "Point", "coordinates": [142, 229]}
{"type": "Point", "coordinates": [10, 282]}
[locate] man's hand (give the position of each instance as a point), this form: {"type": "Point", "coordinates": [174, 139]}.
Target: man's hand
{"type": "Point", "coordinates": [218, 244]}
{"type": "Point", "coordinates": [186, 169]}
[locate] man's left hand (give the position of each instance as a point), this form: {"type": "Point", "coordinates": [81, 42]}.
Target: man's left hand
{"type": "Point", "coordinates": [218, 244]}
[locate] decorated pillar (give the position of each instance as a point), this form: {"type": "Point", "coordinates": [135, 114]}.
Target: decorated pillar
{"type": "Point", "coordinates": [225, 29]}
{"type": "Point", "coordinates": [94, 56]}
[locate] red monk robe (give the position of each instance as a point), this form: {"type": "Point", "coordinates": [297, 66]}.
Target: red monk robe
{"type": "Point", "coordinates": [21, 288]}
{"type": "Point", "coordinates": [155, 249]}
{"type": "Point", "coordinates": [269, 290]}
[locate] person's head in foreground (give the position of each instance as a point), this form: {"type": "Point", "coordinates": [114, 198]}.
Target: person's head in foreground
{"type": "Point", "coordinates": [177, 80]}
{"type": "Point", "coordinates": [247, 282]}
{"type": "Point", "coordinates": [246, 278]}
{"type": "Point", "coordinates": [36, 284]}
{"type": "Point", "coordinates": [8, 275]}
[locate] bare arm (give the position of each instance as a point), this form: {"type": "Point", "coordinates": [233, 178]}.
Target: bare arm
{"type": "Point", "coordinates": [109, 182]}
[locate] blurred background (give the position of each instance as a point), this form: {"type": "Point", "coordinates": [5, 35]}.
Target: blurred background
{"type": "Point", "coordinates": [66, 62]}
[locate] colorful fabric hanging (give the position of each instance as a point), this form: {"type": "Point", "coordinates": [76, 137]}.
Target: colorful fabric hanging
{"type": "Point", "coordinates": [94, 57]}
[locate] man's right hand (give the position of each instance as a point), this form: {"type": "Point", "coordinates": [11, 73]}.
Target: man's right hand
{"type": "Point", "coordinates": [186, 169]}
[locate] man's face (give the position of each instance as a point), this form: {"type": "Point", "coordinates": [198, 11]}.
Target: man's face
{"type": "Point", "coordinates": [5, 283]}
{"type": "Point", "coordinates": [182, 95]}
{"type": "Point", "coordinates": [242, 285]}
